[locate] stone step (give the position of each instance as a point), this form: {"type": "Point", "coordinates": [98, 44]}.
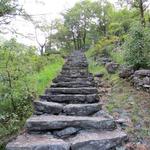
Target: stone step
{"type": "Point", "coordinates": [98, 140]}
{"type": "Point", "coordinates": [74, 68]}
{"type": "Point", "coordinates": [47, 107]}
{"type": "Point", "coordinates": [77, 72]}
{"type": "Point", "coordinates": [72, 72]}
{"type": "Point", "coordinates": [43, 107]}
{"type": "Point", "coordinates": [76, 65]}
{"type": "Point", "coordinates": [73, 84]}
{"type": "Point", "coordinates": [83, 90]}
{"type": "Point", "coordinates": [69, 79]}
{"type": "Point", "coordinates": [75, 75]}
{"type": "Point", "coordinates": [52, 122]}
{"type": "Point", "coordinates": [82, 109]}
{"type": "Point", "coordinates": [37, 142]}
{"type": "Point", "coordinates": [71, 98]}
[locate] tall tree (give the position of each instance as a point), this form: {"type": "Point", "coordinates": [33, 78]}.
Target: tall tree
{"type": "Point", "coordinates": [77, 20]}
{"type": "Point", "coordinates": [102, 11]}
{"type": "Point", "coordinates": [8, 10]}
{"type": "Point", "coordinates": [140, 5]}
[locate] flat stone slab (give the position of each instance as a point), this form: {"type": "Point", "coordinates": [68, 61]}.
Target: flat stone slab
{"type": "Point", "coordinates": [71, 98]}
{"type": "Point", "coordinates": [67, 132]}
{"type": "Point", "coordinates": [82, 109]}
{"type": "Point", "coordinates": [73, 84]}
{"type": "Point", "coordinates": [52, 122]}
{"type": "Point", "coordinates": [47, 107]}
{"type": "Point", "coordinates": [74, 75]}
{"type": "Point", "coordinates": [74, 71]}
{"type": "Point", "coordinates": [84, 90]}
{"type": "Point", "coordinates": [98, 140]}
{"type": "Point", "coordinates": [37, 142]}
{"type": "Point", "coordinates": [69, 79]}
{"type": "Point", "coordinates": [73, 68]}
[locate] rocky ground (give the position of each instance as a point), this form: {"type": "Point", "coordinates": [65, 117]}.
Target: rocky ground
{"type": "Point", "coordinates": [131, 109]}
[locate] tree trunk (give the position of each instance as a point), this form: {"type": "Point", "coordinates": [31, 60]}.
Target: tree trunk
{"type": "Point", "coordinates": [142, 12]}
{"type": "Point", "coordinates": [42, 49]}
{"type": "Point", "coordinates": [74, 41]}
{"type": "Point", "coordinates": [84, 37]}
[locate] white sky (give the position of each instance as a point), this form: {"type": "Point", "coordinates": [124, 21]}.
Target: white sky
{"type": "Point", "coordinates": [51, 9]}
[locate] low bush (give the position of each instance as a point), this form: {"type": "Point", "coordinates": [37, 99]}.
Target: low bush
{"type": "Point", "coordinates": [103, 46]}
{"type": "Point", "coordinates": [23, 75]}
{"type": "Point", "coordinates": [137, 47]}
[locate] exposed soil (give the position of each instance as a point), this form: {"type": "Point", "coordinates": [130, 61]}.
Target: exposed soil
{"type": "Point", "coordinates": [130, 107]}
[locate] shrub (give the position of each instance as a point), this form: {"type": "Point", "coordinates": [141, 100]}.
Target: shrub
{"type": "Point", "coordinates": [137, 47]}
{"type": "Point", "coordinates": [103, 46]}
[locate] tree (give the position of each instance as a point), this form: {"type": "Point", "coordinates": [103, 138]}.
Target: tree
{"type": "Point", "coordinates": [102, 12]}
{"type": "Point", "coordinates": [8, 10]}
{"type": "Point", "coordinates": [43, 32]}
{"type": "Point", "coordinates": [77, 20]}
{"type": "Point", "coordinates": [60, 37]}
{"type": "Point", "coordinates": [140, 5]}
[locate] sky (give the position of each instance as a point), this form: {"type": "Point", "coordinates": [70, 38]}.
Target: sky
{"type": "Point", "coordinates": [47, 9]}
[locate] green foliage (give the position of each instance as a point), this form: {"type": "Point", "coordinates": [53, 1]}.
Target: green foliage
{"type": "Point", "coordinates": [103, 46]}
{"type": "Point", "coordinates": [137, 46]}
{"type": "Point", "coordinates": [23, 75]}
{"type": "Point", "coordinates": [7, 7]}
{"type": "Point", "coordinates": [117, 56]}
{"type": "Point", "coordinates": [49, 72]}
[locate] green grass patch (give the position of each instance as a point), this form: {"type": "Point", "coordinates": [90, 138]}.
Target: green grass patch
{"type": "Point", "coordinates": [117, 56]}
{"type": "Point", "coordinates": [45, 77]}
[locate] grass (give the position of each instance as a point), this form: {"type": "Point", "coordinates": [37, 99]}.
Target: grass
{"type": "Point", "coordinates": [10, 123]}
{"type": "Point", "coordinates": [45, 77]}
{"type": "Point", "coordinates": [117, 56]}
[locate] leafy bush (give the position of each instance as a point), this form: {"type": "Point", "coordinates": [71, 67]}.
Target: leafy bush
{"type": "Point", "coordinates": [137, 46]}
{"type": "Point", "coordinates": [103, 46]}
{"type": "Point", "coordinates": [23, 75]}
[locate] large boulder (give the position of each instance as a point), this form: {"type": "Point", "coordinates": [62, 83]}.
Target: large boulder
{"type": "Point", "coordinates": [112, 67]}
{"type": "Point", "coordinates": [126, 72]}
{"type": "Point", "coordinates": [141, 79]}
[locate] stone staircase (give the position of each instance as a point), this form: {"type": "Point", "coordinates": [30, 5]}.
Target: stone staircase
{"type": "Point", "coordinates": [64, 117]}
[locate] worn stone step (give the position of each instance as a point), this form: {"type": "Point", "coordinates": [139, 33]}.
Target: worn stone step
{"type": "Point", "coordinates": [47, 107]}
{"type": "Point", "coordinates": [77, 65]}
{"type": "Point", "coordinates": [52, 122]}
{"type": "Point", "coordinates": [83, 90]}
{"type": "Point", "coordinates": [82, 109]}
{"type": "Point", "coordinates": [75, 75]}
{"type": "Point", "coordinates": [37, 142]}
{"type": "Point", "coordinates": [73, 68]}
{"type": "Point", "coordinates": [71, 98]}
{"type": "Point", "coordinates": [98, 140]}
{"type": "Point", "coordinates": [73, 84]}
{"type": "Point", "coordinates": [69, 79]}
{"type": "Point", "coordinates": [71, 73]}
{"type": "Point", "coordinates": [44, 107]}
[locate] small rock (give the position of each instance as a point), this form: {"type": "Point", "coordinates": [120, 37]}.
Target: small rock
{"type": "Point", "coordinates": [102, 113]}
{"type": "Point", "coordinates": [99, 75]}
{"type": "Point", "coordinates": [112, 67]}
{"type": "Point", "coordinates": [66, 132]}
